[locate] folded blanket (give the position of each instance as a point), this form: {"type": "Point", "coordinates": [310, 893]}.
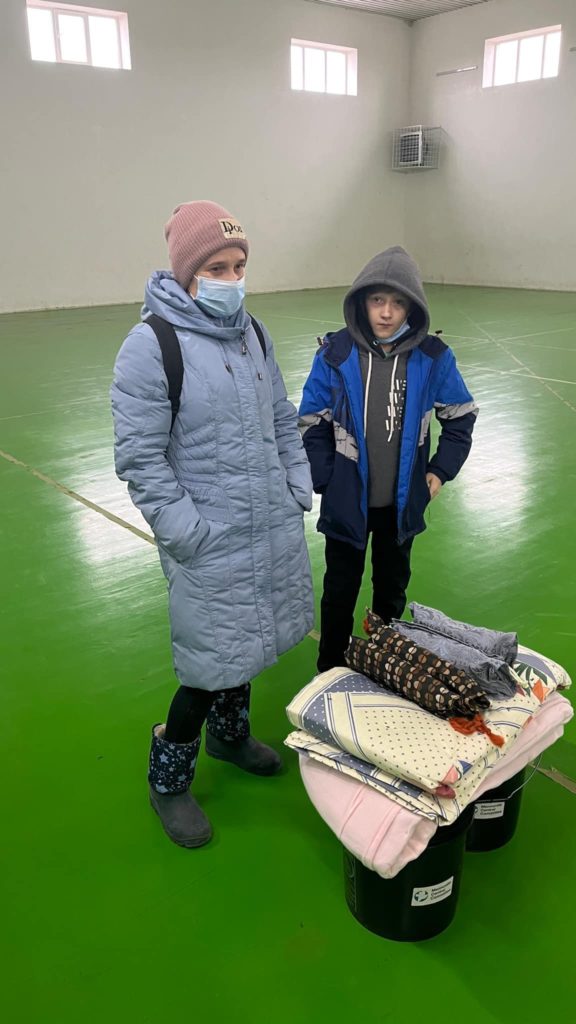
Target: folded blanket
{"type": "Point", "coordinates": [383, 835]}
{"type": "Point", "coordinates": [413, 672]}
{"type": "Point", "coordinates": [484, 654]}
{"type": "Point", "coordinates": [344, 709]}
{"type": "Point", "coordinates": [539, 672]}
{"type": "Point", "coordinates": [391, 744]}
{"type": "Point", "coordinates": [401, 791]}
{"type": "Point", "coordinates": [492, 642]}
{"type": "Point", "coordinates": [386, 836]}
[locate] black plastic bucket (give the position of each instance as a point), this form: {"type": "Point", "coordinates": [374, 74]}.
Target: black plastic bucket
{"type": "Point", "coordinates": [496, 816]}
{"type": "Point", "coordinates": [421, 900]}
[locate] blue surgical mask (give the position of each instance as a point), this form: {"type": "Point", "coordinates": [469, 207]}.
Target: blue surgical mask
{"type": "Point", "coordinates": [402, 330]}
{"type": "Point", "coordinates": [220, 298]}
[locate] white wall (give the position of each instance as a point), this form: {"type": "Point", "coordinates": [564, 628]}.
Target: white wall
{"type": "Point", "coordinates": [502, 209]}
{"type": "Point", "coordinates": [93, 161]}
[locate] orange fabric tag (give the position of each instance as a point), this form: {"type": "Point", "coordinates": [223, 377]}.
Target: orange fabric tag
{"type": "Point", "coordinates": [467, 726]}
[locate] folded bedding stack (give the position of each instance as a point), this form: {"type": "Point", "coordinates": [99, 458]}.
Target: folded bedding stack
{"type": "Point", "coordinates": [414, 672]}
{"type": "Point", "coordinates": [385, 772]}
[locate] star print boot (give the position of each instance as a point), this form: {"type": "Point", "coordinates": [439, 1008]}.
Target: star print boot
{"type": "Point", "coordinates": [228, 734]}
{"type": "Point", "coordinates": [170, 773]}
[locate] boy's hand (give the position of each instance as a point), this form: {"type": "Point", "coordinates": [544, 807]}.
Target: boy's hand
{"type": "Point", "coordinates": [434, 484]}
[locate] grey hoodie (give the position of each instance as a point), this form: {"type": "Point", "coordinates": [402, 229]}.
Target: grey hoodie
{"type": "Point", "coordinates": [384, 375]}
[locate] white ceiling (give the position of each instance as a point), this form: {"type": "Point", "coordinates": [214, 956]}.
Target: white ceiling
{"type": "Point", "coordinates": [410, 10]}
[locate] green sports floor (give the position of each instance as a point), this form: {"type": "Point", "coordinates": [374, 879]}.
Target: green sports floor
{"type": "Point", "coordinates": [103, 919]}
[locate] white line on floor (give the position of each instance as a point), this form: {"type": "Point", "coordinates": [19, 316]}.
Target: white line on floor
{"type": "Point", "coordinates": [312, 320]}
{"type": "Point", "coordinates": [482, 341]}
{"type": "Point", "coordinates": [45, 412]}
{"type": "Point", "coordinates": [77, 497]}
{"type": "Point", "coordinates": [540, 334]}
{"type": "Point", "coordinates": [511, 355]}
{"type": "Point", "coordinates": [559, 777]}
{"type": "Point", "coordinates": [515, 337]}
{"type": "Point", "coordinates": [463, 337]}
{"type": "Point", "coordinates": [517, 373]}
{"type": "Point", "coordinates": [95, 508]}
{"type": "Point", "coordinates": [551, 773]}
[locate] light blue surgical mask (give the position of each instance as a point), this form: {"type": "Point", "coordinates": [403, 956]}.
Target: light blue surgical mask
{"type": "Point", "coordinates": [402, 330]}
{"type": "Point", "coordinates": [220, 298]}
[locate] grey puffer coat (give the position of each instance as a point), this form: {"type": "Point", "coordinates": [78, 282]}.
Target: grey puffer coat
{"type": "Point", "coordinates": [224, 493]}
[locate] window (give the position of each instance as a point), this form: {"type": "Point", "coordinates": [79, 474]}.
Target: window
{"type": "Point", "coordinates": [523, 57]}
{"type": "Point", "coordinates": [78, 35]}
{"type": "Point", "coordinates": [320, 67]}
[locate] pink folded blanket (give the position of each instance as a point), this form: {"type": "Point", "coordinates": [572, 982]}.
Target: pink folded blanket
{"type": "Point", "coordinates": [385, 836]}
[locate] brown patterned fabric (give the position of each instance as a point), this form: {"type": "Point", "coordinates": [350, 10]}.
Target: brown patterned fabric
{"type": "Point", "coordinates": [454, 678]}
{"type": "Point", "coordinates": [413, 672]}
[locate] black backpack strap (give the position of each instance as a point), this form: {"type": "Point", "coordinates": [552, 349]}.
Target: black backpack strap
{"type": "Point", "coordinates": [172, 359]}
{"type": "Point", "coordinates": [259, 334]}
{"type": "Point", "coordinates": [172, 356]}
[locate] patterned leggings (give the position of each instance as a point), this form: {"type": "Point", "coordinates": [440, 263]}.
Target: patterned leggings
{"type": "Point", "coordinates": [226, 713]}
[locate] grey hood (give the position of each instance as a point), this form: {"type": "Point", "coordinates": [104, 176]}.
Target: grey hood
{"type": "Point", "coordinates": [395, 269]}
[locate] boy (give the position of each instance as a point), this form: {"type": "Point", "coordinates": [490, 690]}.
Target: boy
{"type": "Point", "coordinates": [365, 420]}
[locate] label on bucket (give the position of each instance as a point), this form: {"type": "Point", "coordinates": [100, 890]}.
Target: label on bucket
{"type": "Point", "coordinates": [491, 809]}
{"type": "Point", "coordinates": [426, 895]}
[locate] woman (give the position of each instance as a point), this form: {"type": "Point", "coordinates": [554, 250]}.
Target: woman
{"type": "Point", "coordinates": [224, 489]}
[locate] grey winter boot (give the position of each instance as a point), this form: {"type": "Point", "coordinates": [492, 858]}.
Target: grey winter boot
{"type": "Point", "coordinates": [247, 753]}
{"type": "Point", "coordinates": [170, 773]}
{"type": "Point", "coordinates": [228, 734]}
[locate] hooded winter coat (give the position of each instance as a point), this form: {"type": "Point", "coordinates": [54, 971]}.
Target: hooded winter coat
{"type": "Point", "coordinates": [333, 412]}
{"type": "Point", "coordinates": [224, 493]}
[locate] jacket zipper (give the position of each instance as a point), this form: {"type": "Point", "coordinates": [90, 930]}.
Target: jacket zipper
{"type": "Point", "coordinates": [415, 452]}
{"type": "Point", "coordinates": [246, 351]}
{"type": "Point", "coordinates": [347, 393]}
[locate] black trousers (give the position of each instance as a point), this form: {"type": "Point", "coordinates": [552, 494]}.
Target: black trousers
{"type": "Point", "coordinates": [225, 711]}
{"type": "Point", "coordinates": [343, 579]}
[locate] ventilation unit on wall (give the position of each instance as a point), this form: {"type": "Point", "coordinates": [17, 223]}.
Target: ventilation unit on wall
{"type": "Point", "coordinates": [416, 148]}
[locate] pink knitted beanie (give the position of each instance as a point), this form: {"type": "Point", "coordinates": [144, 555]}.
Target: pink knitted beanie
{"type": "Point", "coordinates": [197, 230]}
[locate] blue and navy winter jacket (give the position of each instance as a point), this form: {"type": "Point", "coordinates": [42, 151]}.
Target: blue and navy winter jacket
{"type": "Point", "coordinates": [332, 426]}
